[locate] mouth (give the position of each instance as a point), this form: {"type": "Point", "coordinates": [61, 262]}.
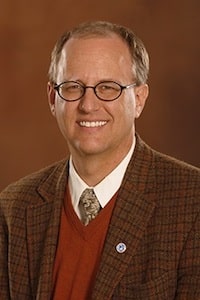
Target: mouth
{"type": "Point", "coordinates": [92, 124]}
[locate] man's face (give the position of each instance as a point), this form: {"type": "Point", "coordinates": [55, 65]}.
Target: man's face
{"type": "Point", "coordinates": [89, 125]}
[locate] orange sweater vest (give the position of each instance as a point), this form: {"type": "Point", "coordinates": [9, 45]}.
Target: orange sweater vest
{"type": "Point", "coordinates": [78, 252]}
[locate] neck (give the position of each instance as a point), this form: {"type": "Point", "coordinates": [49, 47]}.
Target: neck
{"type": "Point", "coordinates": [94, 168]}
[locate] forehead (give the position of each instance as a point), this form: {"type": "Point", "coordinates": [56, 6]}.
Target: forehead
{"type": "Point", "coordinates": [95, 54]}
{"type": "Point", "coordinates": [111, 44]}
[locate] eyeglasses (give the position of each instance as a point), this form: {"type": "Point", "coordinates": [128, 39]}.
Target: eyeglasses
{"type": "Point", "coordinates": [105, 90]}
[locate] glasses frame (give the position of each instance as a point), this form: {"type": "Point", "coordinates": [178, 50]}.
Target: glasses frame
{"type": "Point", "coordinates": [122, 87]}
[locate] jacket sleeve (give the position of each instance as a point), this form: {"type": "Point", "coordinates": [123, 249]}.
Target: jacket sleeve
{"type": "Point", "coordinates": [188, 285]}
{"type": "Point", "coordinates": [4, 280]}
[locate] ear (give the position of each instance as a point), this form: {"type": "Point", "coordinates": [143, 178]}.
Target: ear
{"type": "Point", "coordinates": [141, 94]}
{"type": "Point", "coordinates": [51, 97]}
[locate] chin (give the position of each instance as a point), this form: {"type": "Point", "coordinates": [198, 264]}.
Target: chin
{"type": "Point", "coordinates": [92, 150]}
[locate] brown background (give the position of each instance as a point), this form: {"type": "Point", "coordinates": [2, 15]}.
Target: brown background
{"type": "Point", "coordinates": [29, 138]}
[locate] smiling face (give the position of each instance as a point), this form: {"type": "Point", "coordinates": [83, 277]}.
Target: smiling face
{"type": "Point", "coordinates": [89, 125]}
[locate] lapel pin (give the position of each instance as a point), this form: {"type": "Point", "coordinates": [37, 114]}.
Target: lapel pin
{"type": "Point", "coordinates": [121, 248]}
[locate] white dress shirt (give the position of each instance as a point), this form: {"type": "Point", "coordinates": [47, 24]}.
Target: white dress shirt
{"type": "Point", "coordinates": [104, 190]}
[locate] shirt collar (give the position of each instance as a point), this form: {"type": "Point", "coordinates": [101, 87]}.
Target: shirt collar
{"type": "Point", "coordinates": [103, 190]}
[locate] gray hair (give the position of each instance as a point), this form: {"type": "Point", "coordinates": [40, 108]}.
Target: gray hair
{"type": "Point", "coordinates": [140, 58]}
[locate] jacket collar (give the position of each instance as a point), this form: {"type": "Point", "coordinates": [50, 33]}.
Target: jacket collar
{"type": "Point", "coordinates": [43, 219]}
{"type": "Point", "coordinates": [134, 207]}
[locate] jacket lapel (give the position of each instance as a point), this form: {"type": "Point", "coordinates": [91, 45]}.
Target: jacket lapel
{"type": "Point", "coordinates": [134, 207]}
{"type": "Point", "coordinates": [43, 220]}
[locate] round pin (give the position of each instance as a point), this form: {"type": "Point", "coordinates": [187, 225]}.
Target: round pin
{"type": "Point", "coordinates": [121, 248]}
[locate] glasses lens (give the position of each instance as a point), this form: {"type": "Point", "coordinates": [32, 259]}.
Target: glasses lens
{"type": "Point", "coordinates": [71, 90]}
{"type": "Point", "coordinates": [108, 90]}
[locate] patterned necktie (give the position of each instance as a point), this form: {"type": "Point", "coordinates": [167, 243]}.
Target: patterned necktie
{"type": "Point", "coordinates": [89, 206]}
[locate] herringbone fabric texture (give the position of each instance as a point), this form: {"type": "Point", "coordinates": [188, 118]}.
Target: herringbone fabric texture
{"type": "Point", "coordinates": [89, 206]}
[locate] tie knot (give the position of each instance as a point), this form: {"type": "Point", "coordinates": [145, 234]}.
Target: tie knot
{"type": "Point", "coordinates": [89, 205]}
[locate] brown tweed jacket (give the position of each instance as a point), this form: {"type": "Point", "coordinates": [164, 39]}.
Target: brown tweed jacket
{"type": "Point", "coordinates": [156, 216]}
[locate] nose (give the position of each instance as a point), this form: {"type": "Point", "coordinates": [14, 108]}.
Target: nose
{"type": "Point", "coordinates": [89, 102]}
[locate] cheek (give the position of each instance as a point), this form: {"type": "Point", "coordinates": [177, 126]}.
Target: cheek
{"type": "Point", "coordinates": [130, 110]}
{"type": "Point", "coordinates": [62, 114]}
{"type": "Point", "coordinates": [65, 110]}
{"type": "Point", "coordinates": [125, 116]}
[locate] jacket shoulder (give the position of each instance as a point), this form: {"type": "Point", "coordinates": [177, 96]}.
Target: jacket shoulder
{"type": "Point", "coordinates": [176, 177]}
{"type": "Point", "coordinates": [29, 184]}
{"type": "Point", "coordinates": [146, 155]}
{"type": "Point", "coordinates": [163, 172]}
{"type": "Point", "coordinates": [170, 164]}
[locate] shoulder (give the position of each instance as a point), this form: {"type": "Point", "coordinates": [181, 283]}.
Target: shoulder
{"type": "Point", "coordinates": [177, 184]}
{"type": "Point", "coordinates": [172, 167]}
{"type": "Point", "coordinates": [29, 184]}
{"type": "Point", "coordinates": [164, 171]}
{"type": "Point", "coordinates": [163, 162]}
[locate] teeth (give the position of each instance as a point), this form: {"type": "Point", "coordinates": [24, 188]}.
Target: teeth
{"type": "Point", "coordinates": [93, 123]}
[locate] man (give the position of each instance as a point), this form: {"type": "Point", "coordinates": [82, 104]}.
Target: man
{"type": "Point", "coordinates": [142, 238]}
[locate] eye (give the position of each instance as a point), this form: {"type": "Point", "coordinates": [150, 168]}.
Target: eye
{"type": "Point", "coordinates": [108, 87]}
{"type": "Point", "coordinates": [71, 87]}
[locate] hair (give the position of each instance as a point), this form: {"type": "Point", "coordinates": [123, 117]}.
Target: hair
{"type": "Point", "coordinates": [140, 58]}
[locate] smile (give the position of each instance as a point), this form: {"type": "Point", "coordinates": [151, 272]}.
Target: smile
{"type": "Point", "coordinates": [92, 124]}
